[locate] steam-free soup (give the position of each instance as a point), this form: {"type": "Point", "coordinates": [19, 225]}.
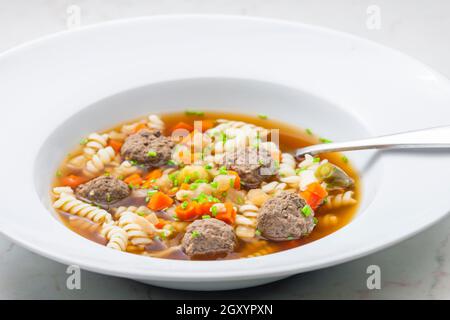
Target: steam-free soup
{"type": "Point", "coordinates": [205, 186]}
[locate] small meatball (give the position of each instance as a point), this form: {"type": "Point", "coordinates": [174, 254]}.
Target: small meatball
{"type": "Point", "coordinates": [149, 148]}
{"type": "Point", "coordinates": [103, 191]}
{"type": "Point", "coordinates": [210, 237]}
{"type": "Point", "coordinates": [281, 218]}
{"type": "Point", "coordinates": [253, 166]}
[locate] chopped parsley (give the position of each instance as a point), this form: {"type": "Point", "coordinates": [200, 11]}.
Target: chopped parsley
{"type": "Point", "coordinates": [344, 159]}
{"type": "Point", "coordinates": [194, 186]}
{"type": "Point", "coordinates": [323, 140]}
{"type": "Point", "coordinates": [152, 153]}
{"type": "Point", "coordinates": [316, 159]}
{"type": "Point", "coordinates": [223, 170]}
{"type": "Point", "coordinates": [214, 184]}
{"type": "Point", "coordinates": [263, 116]}
{"type": "Point", "coordinates": [257, 232]}
{"type": "Point", "coordinates": [84, 141]}
{"type": "Point", "coordinates": [195, 234]}
{"type": "Point", "coordinates": [316, 221]}
{"type": "Point", "coordinates": [59, 173]}
{"type": "Point", "coordinates": [171, 163]}
{"type": "Point", "coordinates": [307, 211]}
{"type": "Point", "coordinates": [206, 217]}
{"type": "Point", "coordinates": [184, 205]}
{"type": "Point", "coordinates": [208, 167]}
{"type": "Point", "coordinates": [194, 113]}
{"type": "Point", "coordinates": [290, 238]}
{"type": "Point", "coordinates": [214, 210]}
{"type": "Point", "coordinates": [309, 131]}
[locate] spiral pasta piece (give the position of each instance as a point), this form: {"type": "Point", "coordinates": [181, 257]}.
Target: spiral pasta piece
{"type": "Point", "coordinates": [340, 200]}
{"type": "Point", "coordinates": [99, 160]}
{"type": "Point", "coordinates": [136, 234]}
{"type": "Point", "coordinates": [68, 203]}
{"type": "Point", "coordinates": [287, 165]}
{"type": "Point", "coordinates": [116, 236]}
{"type": "Point", "coordinates": [124, 170]}
{"type": "Point", "coordinates": [94, 143]}
{"type": "Point", "coordinates": [155, 122]}
{"type": "Point", "coordinates": [274, 187]}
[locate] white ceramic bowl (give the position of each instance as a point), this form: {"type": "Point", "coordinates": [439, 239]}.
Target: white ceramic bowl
{"type": "Point", "coordinates": [57, 89]}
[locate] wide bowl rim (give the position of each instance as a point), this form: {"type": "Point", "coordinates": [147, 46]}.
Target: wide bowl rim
{"type": "Point", "coordinates": [247, 274]}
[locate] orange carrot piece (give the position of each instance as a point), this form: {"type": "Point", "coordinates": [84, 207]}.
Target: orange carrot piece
{"type": "Point", "coordinates": [187, 213]}
{"type": "Point", "coordinates": [73, 181]}
{"type": "Point", "coordinates": [115, 144]}
{"type": "Point", "coordinates": [237, 179]}
{"type": "Point", "coordinates": [183, 126]}
{"type": "Point", "coordinates": [311, 199]}
{"type": "Point", "coordinates": [185, 186]}
{"type": "Point", "coordinates": [203, 208]}
{"type": "Point", "coordinates": [207, 124]}
{"type": "Point", "coordinates": [317, 189]}
{"type": "Point", "coordinates": [161, 223]}
{"type": "Point", "coordinates": [229, 216]}
{"type": "Point", "coordinates": [154, 174]}
{"type": "Point", "coordinates": [160, 201]}
{"type": "Point", "coordinates": [134, 179]}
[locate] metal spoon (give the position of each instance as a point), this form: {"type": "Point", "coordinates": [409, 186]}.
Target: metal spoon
{"type": "Point", "coordinates": [438, 137]}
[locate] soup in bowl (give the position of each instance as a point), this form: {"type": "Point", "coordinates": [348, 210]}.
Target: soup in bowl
{"type": "Point", "coordinates": [202, 185]}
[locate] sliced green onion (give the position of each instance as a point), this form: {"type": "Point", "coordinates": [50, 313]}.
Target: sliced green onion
{"type": "Point", "coordinates": [307, 211]}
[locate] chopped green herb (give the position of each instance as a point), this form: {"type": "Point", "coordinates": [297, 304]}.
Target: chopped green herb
{"type": "Point", "coordinates": [201, 181]}
{"type": "Point", "coordinates": [108, 197]}
{"type": "Point", "coordinates": [175, 217]}
{"type": "Point", "coordinates": [297, 172]}
{"type": "Point", "coordinates": [150, 193]}
{"type": "Point", "coordinates": [194, 186]}
{"type": "Point", "coordinates": [223, 137]}
{"type": "Point", "coordinates": [187, 179]}
{"type": "Point", "coordinates": [214, 184]}
{"type": "Point", "coordinates": [316, 221]}
{"type": "Point", "coordinates": [277, 164]}
{"type": "Point", "coordinates": [316, 159]}
{"type": "Point", "coordinates": [263, 116]}
{"type": "Point", "coordinates": [290, 238]}
{"type": "Point", "coordinates": [323, 140]}
{"type": "Point", "coordinates": [171, 163]}
{"type": "Point", "coordinates": [208, 167]}
{"type": "Point", "coordinates": [240, 200]}
{"type": "Point", "coordinates": [205, 217]}
{"type": "Point", "coordinates": [134, 162]}
{"type": "Point", "coordinates": [232, 183]}
{"type": "Point", "coordinates": [307, 211]}
{"type": "Point", "coordinates": [344, 159]}
{"type": "Point", "coordinates": [107, 174]}
{"type": "Point", "coordinates": [309, 131]}
{"type": "Point", "coordinates": [223, 170]}
{"type": "Point", "coordinates": [257, 232]}
{"type": "Point", "coordinates": [214, 211]}
{"type": "Point", "coordinates": [194, 113]}
{"type": "Point", "coordinates": [84, 141]}
{"type": "Point", "coordinates": [59, 173]}
{"type": "Point", "coordinates": [184, 205]}
{"type": "Point", "coordinates": [152, 153]}
{"type": "Point", "coordinates": [195, 234]}
{"type": "Point", "coordinates": [142, 214]}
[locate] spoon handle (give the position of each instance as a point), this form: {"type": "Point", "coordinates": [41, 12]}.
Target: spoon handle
{"type": "Point", "coordinates": [438, 137]}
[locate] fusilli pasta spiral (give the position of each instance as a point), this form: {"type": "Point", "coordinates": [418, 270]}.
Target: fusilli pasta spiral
{"type": "Point", "coordinates": [116, 236]}
{"type": "Point", "coordinates": [94, 143]}
{"type": "Point", "coordinates": [68, 203]}
{"type": "Point", "coordinates": [97, 164]}
{"type": "Point", "coordinates": [340, 200]}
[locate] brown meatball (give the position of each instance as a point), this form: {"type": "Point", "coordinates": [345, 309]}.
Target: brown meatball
{"type": "Point", "coordinates": [149, 148]}
{"type": "Point", "coordinates": [103, 191]}
{"type": "Point", "coordinates": [209, 237]}
{"type": "Point", "coordinates": [281, 218]}
{"type": "Point", "coordinates": [253, 166]}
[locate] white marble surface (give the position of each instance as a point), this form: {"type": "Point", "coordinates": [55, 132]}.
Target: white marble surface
{"type": "Point", "coordinates": [415, 269]}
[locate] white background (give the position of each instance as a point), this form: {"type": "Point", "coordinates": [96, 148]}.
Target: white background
{"type": "Point", "coordinates": [418, 268]}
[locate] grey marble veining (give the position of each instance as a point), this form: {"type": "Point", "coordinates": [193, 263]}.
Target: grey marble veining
{"type": "Point", "coordinates": [414, 269]}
